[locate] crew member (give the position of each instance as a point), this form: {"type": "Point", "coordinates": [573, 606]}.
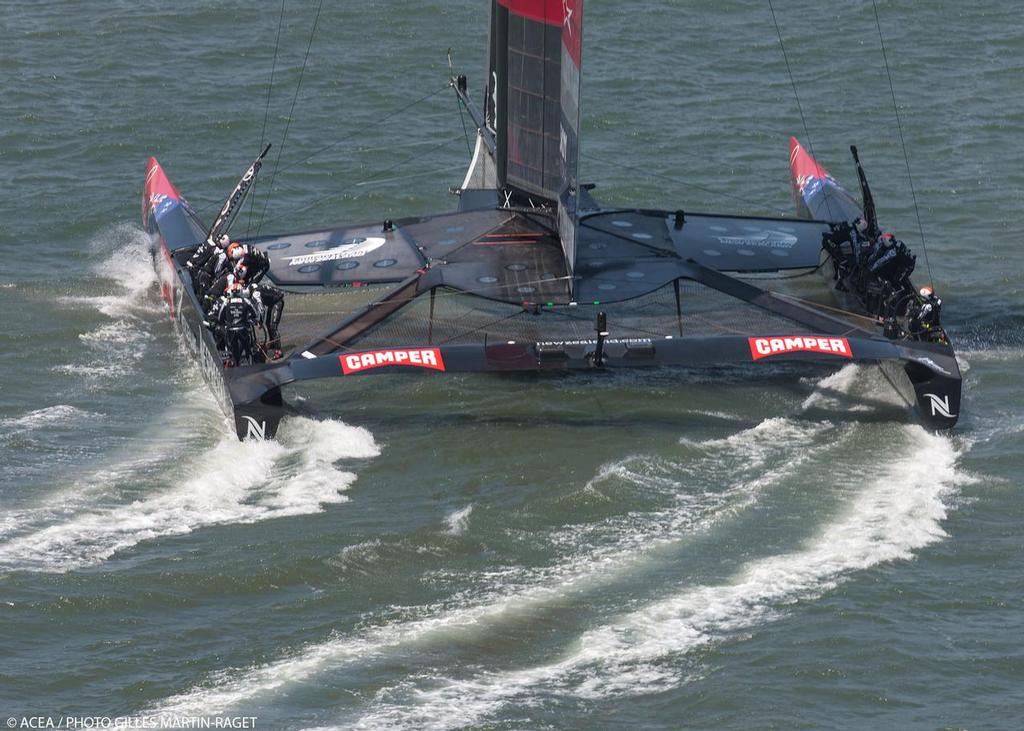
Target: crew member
{"type": "Point", "coordinates": [211, 268]}
{"type": "Point", "coordinates": [255, 260]}
{"type": "Point", "coordinates": [205, 250]}
{"type": "Point", "coordinates": [235, 314]}
{"type": "Point", "coordinates": [891, 261]}
{"type": "Point", "coordinates": [924, 317]}
{"type": "Point", "coordinates": [228, 276]}
{"type": "Point", "coordinates": [271, 301]}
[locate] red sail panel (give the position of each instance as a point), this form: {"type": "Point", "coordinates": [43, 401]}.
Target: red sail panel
{"type": "Point", "coordinates": [569, 127]}
{"type": "Point", "coordinates": [817, 194]}
{"type": "Point", "coordinates": [572, 29]}
{"type": "Point", "coordinates": [157, 190]}
{"type": "Point", "coordinates": [534, 100]}
{"type": "Point", "coordinates": [544, 11]}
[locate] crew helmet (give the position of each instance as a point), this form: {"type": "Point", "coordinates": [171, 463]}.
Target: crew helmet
{"type": "Point", "coordinates": [223, 241]}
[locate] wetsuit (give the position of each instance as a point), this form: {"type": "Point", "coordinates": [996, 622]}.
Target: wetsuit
{"type": "Point", "coordinates": [198, 260]}
{"type": "Point", "coordinates": [255, 261]}
{"type": "Point", "coordinates": [235, 315]}
{"type": "Point", "coordinates": [212, 268]}
{"type": "Point", "coordinates": [271, 300]}
{"type": "Point", "coordinates": [213, 273]}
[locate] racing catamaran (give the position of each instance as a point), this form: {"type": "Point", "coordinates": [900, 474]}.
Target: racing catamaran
{"type": "Point", "coordinates": [532, 273]}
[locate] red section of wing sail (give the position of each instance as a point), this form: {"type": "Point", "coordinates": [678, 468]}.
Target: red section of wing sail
{"type": "Point", "coordinates": [158, 187]}
{"type": "Point", "coordinates": [545, 11]}
{"type": "Point", "coordinates": [802, 165]}
{"type": "Point", "coordinates": [158, 182]}
{"type": "Point", "coordinates": [572, 28]}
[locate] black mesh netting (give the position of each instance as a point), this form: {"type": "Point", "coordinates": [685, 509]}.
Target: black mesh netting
{"type": "Point", "coordinates": [459, 318]}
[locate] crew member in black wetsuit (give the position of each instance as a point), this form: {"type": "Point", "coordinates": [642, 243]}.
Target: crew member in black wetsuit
{"type": "Point", "coordinates": [271, 301]}
{"type": "Point", "coordinates": [212, 268]}
{"type": "Point", "coordinates": [924, 317]}
{"type": "Point", "coordinates": [251, 264]}
{"type": "Point", "coordinates": [208, 248]}
{"type": "Point", "coordinates": [254, 259]}
{"type": "Point", "coordinates": [235, 314]}
{"type": "Point", "coordinates": [228, 276]}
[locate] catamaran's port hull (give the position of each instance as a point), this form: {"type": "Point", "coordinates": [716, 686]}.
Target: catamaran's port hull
{"type": "Point", "coordinates": [250, 397]}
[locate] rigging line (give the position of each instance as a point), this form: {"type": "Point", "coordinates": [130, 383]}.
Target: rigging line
{"type": "Point", "coordinates": [799, 106]}
{"type": "Point", "coordinates": [618, 324]}
{"type": "Point", "coordinates": [816, 305]}
{"type": "Point", "coordinates": [346, 189]}
{"type": "Point", "coordinates": [446, 169]}
{"type": "Point", "coordinates": [798, 275]}
{"type": "Point", "coordinates": [266, 115]}
{"type": "Point", "coordinates": [462, 116]}
{"type": "Point", "coordinates": [653, 144]}
{"type": "Point", "coordinates": [684, 183]}
{"type": "Point", "coordinates": [482, 291]}
{"type": "Point", "coordinates": [368, 181]}
{"type": "Point", "coordinates": [458, 103]}
{"type": "Point", "coordinates": [361, 130]}
{"type": "Point", "coordinates": [288, 124]}
{"type": "Point", "coordinates": [903, 143]}
{"type": "Point", "coordinates": [486, 325]}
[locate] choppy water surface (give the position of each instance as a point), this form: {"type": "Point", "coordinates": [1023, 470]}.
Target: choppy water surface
{"type": "Point", "coordinates": [660, 550]}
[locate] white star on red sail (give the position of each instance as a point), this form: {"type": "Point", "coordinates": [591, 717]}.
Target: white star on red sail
{"type": "Point", "coordinates": [567, 14]}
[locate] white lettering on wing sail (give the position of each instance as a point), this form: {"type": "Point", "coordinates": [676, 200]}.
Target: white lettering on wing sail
{"type": "Point", "coordinates": [349, 250]}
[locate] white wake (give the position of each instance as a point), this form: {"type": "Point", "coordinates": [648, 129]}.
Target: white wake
{"type": "Point", "coordinates": [231, 482]}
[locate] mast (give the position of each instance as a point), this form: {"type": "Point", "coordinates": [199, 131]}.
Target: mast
{"type": "Point", "coordinates": [870, 216]}
{"type": "Point", "coordinates": [534, 102]}
{"type": "Point", "coordinates": [232, 205]}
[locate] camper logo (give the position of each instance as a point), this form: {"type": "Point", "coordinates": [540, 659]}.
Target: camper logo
{"type": "Point", "coordinates": [764, 347]}
{"type": "Point", "coordinates": [416, 357]}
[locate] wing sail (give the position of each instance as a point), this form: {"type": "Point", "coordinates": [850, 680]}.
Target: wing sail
{"type": "Point", "coordinates": [534, 101]}
{"type": "Point", "coordinates": [817, 194]}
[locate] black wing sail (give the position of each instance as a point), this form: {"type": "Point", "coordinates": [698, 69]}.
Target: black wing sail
{"type": "Point", "coordinates": [233, 204]}
{"type": "Point", "coordinates": [536, 52]}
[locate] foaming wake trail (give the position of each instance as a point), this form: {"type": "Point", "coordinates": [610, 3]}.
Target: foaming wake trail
{"type": "Point", "coordinates": [41, 418]}
{"type": "Point", "coordinates": [842, 389]}
{"type": "Point", "coordinates": [458, 521]}
{"type": "Point", "coordinates": [900, 511]}
{"type": "Point", "coordinates": [122, 291]}
{"type": "Point", "coordinates": [128, 262]}
{"type": "Point", "coordinates": [767, 452]}
{"type": "Point", "coordinates": [233, 482]}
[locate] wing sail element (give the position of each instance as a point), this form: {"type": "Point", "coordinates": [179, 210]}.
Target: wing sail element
{"type": "Point", "coordinates": [232, 205]}
{"type": "Point", "coordinates": [534, 101]}
{"type": "Point", "coordinates": [817, 194]}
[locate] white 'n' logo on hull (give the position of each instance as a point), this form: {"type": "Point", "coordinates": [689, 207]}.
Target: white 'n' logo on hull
{"type": "Point", "coordinates": [940, 406]}
{"type": "Point", "coordinates": [255, 429]}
